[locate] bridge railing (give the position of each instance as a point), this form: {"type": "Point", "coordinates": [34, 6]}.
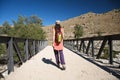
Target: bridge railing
{"type": "Point", "coordinates": [87, 44]}
{"type": "Point", "coordinates": [30, 46]}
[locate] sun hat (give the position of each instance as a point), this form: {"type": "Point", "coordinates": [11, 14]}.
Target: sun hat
{"type": "Point", "coordinates": [57, 21]}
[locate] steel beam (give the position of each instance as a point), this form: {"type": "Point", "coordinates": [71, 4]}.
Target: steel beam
{"type": "Point", "coordinates": [10, 63]}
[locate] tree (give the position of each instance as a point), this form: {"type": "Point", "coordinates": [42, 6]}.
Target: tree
{"type": "Point", "coordinates": [24, 27]}
{"type": "Point", "coordinates": [28, 27]}
{"type": "Point", "coordinates": [78, 31]}
{"type": "Point", "coordinates": [6, 27]}
{"type": "Point", "coordinates": [35, 20]}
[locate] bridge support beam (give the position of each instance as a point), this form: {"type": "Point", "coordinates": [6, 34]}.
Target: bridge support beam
{"type": "Point", "coordinates": [26, 50]}
{"type": "Point", "coordinates": [33, 53]}
{"type": "Point", "coordinates": [110, 51]}
{"type": "Point", "coordinates": [17, 50]}
{"type": "Point", "coordinates": [101, 48]}
{"type": "Point", "coordinates": [87, 50]}
{"type": "Point", "coordinates": [10, 63]}
{"type": "Point", "coordinates": [92, 49]}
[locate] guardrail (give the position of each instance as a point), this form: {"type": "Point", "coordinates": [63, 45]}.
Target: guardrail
{"type": "Point", "coordinates": [30, 46]}
{"type": "Point", "coordinates": [80, 45]}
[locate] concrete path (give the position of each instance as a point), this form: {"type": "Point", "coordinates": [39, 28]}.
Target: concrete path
{"type": "Point", "coordinates": [42, 67]}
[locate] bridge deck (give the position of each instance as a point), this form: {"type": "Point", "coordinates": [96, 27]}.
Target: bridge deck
{"type": "Point", "coordinates": [41, 67]}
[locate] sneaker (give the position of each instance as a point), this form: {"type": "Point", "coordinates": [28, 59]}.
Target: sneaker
{"type": "Point", "coordinates": [58, 65]}
{"type": "Point", "coordinates": [63, 67]}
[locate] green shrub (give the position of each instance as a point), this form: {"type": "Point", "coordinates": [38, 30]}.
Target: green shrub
{"type": "Point", "coordinates": [78, 31]}
{"type": "Point", "coordinates": [2, 50]}
{"type": "Point", "coordinates": [106, 53]}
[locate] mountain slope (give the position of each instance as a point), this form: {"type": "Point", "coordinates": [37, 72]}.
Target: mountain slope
{"type": "Point", "coordinates": [92, 23]}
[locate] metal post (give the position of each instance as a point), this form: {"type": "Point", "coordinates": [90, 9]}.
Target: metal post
{"type": "Point", "coordinates": [10, 56]}
{"type": "Point", "coordinates": [83, 45]}
{"type": "Point", "coordinates": [26, 50]}
{"type": "Point", "coordinates": [110, 51]}
{"type": "Point", "coordinates": [80, 45]}
{"type": "Point", "coordinates": [92, 49]}
{"type": "Point", "coordinates": [77, 44]}
{"type": "Point", "coordinates": [34, 47]}
{"type": "Point", "coordinates": [38, 46]}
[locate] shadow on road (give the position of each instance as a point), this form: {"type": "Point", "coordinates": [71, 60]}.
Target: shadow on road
{"type": "Point", "coordinates": [49, 61]}
{"type": "Point", "coordinates": [100, 66]}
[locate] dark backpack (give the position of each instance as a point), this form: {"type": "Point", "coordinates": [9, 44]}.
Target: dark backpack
{"type": "Point", "coordinates": [58, 35]}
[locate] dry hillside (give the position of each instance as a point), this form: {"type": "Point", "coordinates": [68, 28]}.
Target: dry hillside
{"type": "Point", "coordinates": [104, 23]}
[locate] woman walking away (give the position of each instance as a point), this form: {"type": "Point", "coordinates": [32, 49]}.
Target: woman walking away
{"type": "Point", "coordinates": [58, 35]}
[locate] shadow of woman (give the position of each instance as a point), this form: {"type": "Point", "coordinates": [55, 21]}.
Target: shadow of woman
{"type": "Point", "coordinates": [49, 61]}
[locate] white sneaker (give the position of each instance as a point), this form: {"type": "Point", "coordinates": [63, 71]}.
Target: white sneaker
{"type": "Point", "coordinates": [63, 67]}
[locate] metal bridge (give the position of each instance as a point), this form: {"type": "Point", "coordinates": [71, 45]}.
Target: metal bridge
{"type": "Point", "coordinates": [38, 62]}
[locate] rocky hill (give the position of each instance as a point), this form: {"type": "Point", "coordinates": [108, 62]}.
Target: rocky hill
{"type": "Point", "coordinates": [92, 23]}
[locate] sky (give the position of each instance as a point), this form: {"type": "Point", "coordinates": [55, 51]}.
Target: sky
{"type": "Point", "coordinates": [51, 10]}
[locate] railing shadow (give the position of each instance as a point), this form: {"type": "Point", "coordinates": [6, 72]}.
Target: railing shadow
{"type": "Point", "coordinates": [88, 45]}
{"type": "Point", "coordinates": [92, 61]}
{"type": "Point", "coordinates": [18, 50]}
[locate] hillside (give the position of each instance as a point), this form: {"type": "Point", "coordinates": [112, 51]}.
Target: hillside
{"type": "Point", "coordinates": [104, 23]}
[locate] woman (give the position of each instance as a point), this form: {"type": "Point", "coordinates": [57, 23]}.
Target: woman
{"type": "Point", "coordinates": [58, 44]}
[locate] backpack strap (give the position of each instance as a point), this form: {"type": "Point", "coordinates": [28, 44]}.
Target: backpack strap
{"type": "Point", "coordinates": [58, 31]}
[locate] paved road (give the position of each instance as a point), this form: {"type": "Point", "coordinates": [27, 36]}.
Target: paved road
{"type": "Point", "coordinates": [42, 67]}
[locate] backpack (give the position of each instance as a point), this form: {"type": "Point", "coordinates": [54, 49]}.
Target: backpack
{"type": "Point", "coordinates": [58, 35]}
